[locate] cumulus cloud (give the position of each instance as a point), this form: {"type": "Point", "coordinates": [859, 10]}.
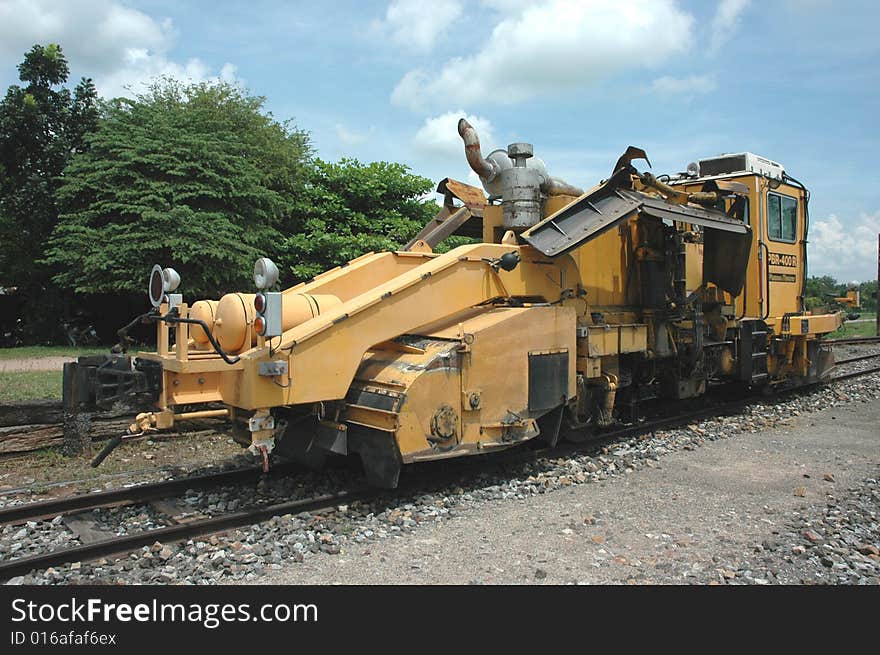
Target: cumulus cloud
{"type": "Point", "coordinates": [418, 25]}
{"type": "Point", "coordinates": [350, 137]}
{"type": "Point", "coordinates": [726, 22]}
{"type": "Point", "coordinates": [439, 137]}
{"type": "Point", "coordinates": [116, 45]}
{"type": "Point", "coordinates": [507, 5]}
{"type": "Point", "coordinates": [553, 45]}
{"type": "Point", "coordinates": [684, 86]}
{"type": "Point", "coordinates": [851, 258]}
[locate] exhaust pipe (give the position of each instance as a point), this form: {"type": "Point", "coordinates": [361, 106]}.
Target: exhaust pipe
{"type": "Point", "coordinates": [489, 169]}
{"type": "Point", "coordinates": [553, 186]}
{"type": "Point", "coordinates": [486, 169]}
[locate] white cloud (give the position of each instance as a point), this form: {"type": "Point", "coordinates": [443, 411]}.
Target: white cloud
{"type": "Point", "coordinates": [417, 25]}
{"type": "Point", "coordinates": [116, 45]}
{"type": "Point", "coordinates": [507, 5]}
{"type": "Point", "coordinates": [845, 250]}
{"type": "Point", "coordinates": [725, 22]}
{"type": "Point", "coordinates": [439, 136]}
{"type": "Point", "coordinates": [550, 46]}
{"type": "Point", "coordinates": [684, 86]}
{"type": "Point", "coordinates": [350, 137]}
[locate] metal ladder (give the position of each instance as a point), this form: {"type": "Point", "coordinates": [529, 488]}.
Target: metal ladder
{"type": "Point", "coordinates": [753, 346]}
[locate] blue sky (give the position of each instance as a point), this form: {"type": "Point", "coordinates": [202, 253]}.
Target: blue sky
{"type": "Point", "coordinates": [792, 80]}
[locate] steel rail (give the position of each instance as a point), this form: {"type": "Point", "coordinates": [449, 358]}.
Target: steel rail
{"type": "Point", "coordinates": [851, 341]}
{"type": "Point", "coordinates": [171, 533]}
{"type": "Point", "coordinates": [856, 359]}
{"type": "Point", "coordinates": [854, 374]}
{"type": "Point", "coordinates": [130, 495]}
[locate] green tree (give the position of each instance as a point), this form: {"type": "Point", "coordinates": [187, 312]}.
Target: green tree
{"type": "Point", "coordinates": [197, 176]}
{"type": "Point", "coordinates": [819, 286]}
{"type": "Point", "coordinates": [822, 290]}
{"type": "Point", "coordinates": [346, 209]}
{"type": "Point", "coordinates": [818, 290]}
{"type": "Point", "coordinates": [41, 127]}
{"type": "Point", "coordinates": [868, 294]}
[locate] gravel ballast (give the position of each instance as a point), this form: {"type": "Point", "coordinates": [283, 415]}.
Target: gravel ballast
{"type": "Point", "coordinates": [558, 519]}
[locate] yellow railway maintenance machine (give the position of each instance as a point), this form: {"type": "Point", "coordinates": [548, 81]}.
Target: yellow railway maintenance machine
{"type": "Point", "coordinates": [575, 307]}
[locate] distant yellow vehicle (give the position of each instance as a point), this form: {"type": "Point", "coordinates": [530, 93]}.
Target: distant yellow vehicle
{"type": "Point", "coordinates": [574, 308]}
{"type": "Point", "coordinates": [851, 299]}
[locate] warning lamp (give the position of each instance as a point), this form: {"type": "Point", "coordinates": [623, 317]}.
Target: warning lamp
{"type": "Point", "coordinates": [267, 322]}
{"type": "Point", "coordinates": [162, 282]}
{"type": "Point", "coordinates": [156, 288]}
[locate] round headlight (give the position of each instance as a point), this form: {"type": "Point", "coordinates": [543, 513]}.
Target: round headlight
{"type": "Point", "coordinates": [170, 279]}
{"type": "Point", "coordinates": [156, 288]}
{"type": "Point", "coordinates": [265, 273]}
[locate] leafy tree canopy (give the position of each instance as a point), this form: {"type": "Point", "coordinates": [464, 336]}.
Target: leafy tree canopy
{"type": "Point", "coordinates": [346, 209]}
{"type": "Point", "coordinates": [821, 291]}
{"type": "Point", "coordinates": [41, 127]}
{"type": "Point", "coordinates": [196, 176]}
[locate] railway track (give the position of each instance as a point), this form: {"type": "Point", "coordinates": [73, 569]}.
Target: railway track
{"type": "Point", "coordinates": [856, 359]}
{"type": "Point", "coordinates": [227, 521]}
{"type": "Point", "coordinates": [142, 494]}
{"type": "Point", "coordinates": [853, 341]}
{"type": "Point", "coordinates": [32, 426]}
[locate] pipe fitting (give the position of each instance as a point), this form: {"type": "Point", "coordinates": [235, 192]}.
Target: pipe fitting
{"type": "Point", "coordinates": [483, 167]}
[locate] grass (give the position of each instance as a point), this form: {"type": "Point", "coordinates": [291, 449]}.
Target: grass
{"type": "Point", "coordinates": [30, 385]}
{"type": "Point", "coordinates": [862, 328]}
{"type": "Point", "coordinates": [37, 352]}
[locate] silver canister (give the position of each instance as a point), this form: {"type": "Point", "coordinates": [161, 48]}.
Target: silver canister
{"type": "Point", "coordinates": [521, 198]}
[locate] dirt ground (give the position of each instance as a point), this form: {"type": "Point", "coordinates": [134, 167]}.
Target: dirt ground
{"type": "Point", "coordinates": [22, 364]}
{"type": "Point", "coordinates": [694, 512]}
{"type": "Point", "coordinates": [48, 473]}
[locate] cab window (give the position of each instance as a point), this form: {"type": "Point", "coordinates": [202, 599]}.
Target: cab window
{"type": "Point", "coordinates": [782, 217]}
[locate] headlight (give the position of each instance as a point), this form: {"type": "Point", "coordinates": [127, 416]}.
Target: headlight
{"type": "Point", "coordinates": [265, 273]}
{"type": "Point", "coordinates": [170, 280]}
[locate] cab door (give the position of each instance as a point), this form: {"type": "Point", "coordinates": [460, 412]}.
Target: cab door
{"type": "Point", "coordinates": [783, 248]}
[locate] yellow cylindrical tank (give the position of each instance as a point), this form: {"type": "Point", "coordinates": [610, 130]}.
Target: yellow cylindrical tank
{"type": "Point", "coordinates": [235, 312]}
{"type": "Point", "coordinates": [203, 310]}
{"type": "Point", "coordinates": [301, 307]}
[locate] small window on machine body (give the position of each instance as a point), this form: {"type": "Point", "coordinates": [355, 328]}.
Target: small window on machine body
{"type": "Point", "coordinates": [737, 206]}
{"type": "Point", "coordinates": [782, 217]}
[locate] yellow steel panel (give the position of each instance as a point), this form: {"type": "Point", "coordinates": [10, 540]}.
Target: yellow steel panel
{"type": "Point", "coordinates": [590, 367]}
{"type": "Point", "coordinates": [495, 364]}
{"type": "Point", "coordinates": [492, 224]}
{"type": "Point", "coordinates": [498, 361]}
{"type": "Point", "coordinates": [817, 324]}
{"type": "Point", "coordinates": [602, 340]}
{"type": "Point", "coordinates": [693, 266]}
{"type": "Point", "coordinates": [326, 351]}
{"type": "Point", "coordinates": [604, 263]}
